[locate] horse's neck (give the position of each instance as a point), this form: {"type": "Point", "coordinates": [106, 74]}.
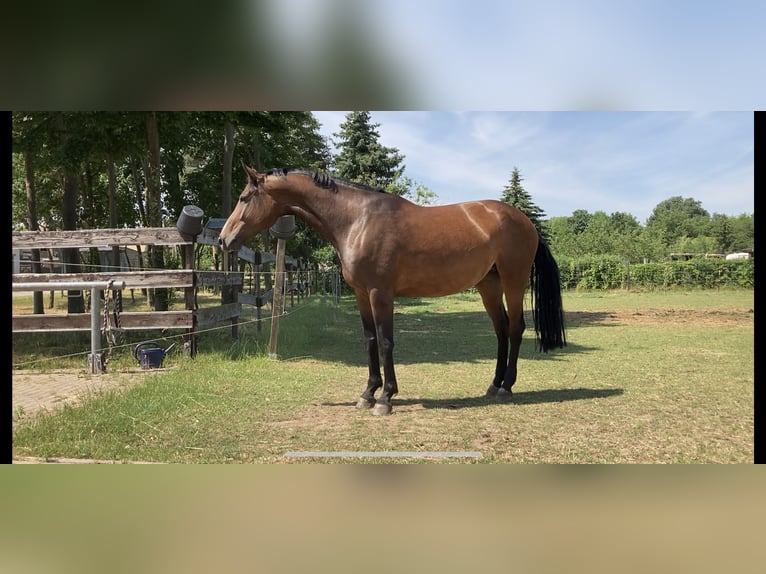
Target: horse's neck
{"type": "Point", "coordinates": [329, 213]}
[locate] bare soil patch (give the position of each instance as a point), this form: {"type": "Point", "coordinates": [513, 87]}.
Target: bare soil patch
{"type": "Point", "coordinates": [711, 318]}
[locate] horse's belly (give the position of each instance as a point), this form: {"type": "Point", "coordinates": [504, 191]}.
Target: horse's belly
{"type": "Point", "coordinates": [438, 281]}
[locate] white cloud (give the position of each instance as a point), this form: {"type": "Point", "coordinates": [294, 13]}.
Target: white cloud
{"type": "Point", "coordinates": [599, 161]}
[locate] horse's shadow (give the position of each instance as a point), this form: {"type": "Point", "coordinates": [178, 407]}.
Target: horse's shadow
{"type": "Point", "coordinates": [519, 398]}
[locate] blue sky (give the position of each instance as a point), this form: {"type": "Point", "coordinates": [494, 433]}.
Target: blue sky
{"type": "Point", "coordinates": [546, 55]}
{"type": "Point", "coordinates": [598, 161]}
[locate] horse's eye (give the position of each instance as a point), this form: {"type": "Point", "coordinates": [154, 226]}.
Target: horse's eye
{"type": "Point", "coordinates": [247, 195]}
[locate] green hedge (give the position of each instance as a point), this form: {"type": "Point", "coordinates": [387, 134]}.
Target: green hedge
{"type": "Point", "coordinates": [609, 272]}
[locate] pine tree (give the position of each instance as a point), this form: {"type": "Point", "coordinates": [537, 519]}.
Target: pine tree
{"type": "Point", "coordinates": [514, 194]}
{"type": "Point", "coordinates": [362, 159]}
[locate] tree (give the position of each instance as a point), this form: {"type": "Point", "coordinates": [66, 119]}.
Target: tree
{"type": "Point", "coordinates": [514, 194]}
{"type": "Point", "coordinates": [721, 230]}
{"type": "Point", "coordinates": [105, 161]}
{"type": "Point", "coordinates": [362, 159]}
{"type": "Point", "coordinates": [732, 233]}
{"type": "Point", "coordinates": [32, 205]}
{"type": "Point", "coordinates": [288, 139]}
{"type": "Point", "coordinates": [584, 233]}
{"type": "Point", "coordinates": [625, 230]}
{"type": "Point", "coordinates": [624, 223]}
{"type": "Point", "coordinates": [597, 239]}
{"type": "Point", "coordinates": [32, 222]}
{"type": "Point", "coordinates": [678, 217]}
{"type": "Point", "coordinates": [579, 220]}
{"type": "Point", "coordinates": [651, 246]}
{"type": "Point", "coordinates": [153, 204]}
{"type": "Point", "coordinates": [562, 236]}
{"type": "Point", "coordinates": [68, 135]}
{"type": "Point", "coordinates": [743, 227]}
{"type": "Point", "coordinates": [424, 196]}
{"type": "Point", "coordinates": [699, 244]}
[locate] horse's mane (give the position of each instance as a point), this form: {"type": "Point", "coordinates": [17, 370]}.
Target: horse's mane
{"type": "Point", "coordinates": [323, 179]}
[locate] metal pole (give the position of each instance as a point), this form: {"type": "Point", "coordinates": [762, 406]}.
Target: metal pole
{"type": "Point", "coordinates": [95, 358]}
{"type": "Point", "coordinates": [258, 295]}
{"type": "Point", "coordinates": [95, 364]}
{"type": "Point", "coordinates": [190, 299]}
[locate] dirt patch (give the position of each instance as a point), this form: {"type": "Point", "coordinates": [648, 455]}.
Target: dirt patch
{"type": "Point", "coordinates": [712, 318]}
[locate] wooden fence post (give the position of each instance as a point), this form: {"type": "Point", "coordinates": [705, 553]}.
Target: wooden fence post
{"type": "Point", "coordinates": [277, 301]}
{"type": "Point", "coordinates": [283, 229]}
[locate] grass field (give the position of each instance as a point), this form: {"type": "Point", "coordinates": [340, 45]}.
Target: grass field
{"type": "Point", "coordinates": [660, 377]}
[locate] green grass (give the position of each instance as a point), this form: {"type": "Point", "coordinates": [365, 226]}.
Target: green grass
{"type": "Point", "coordinates": [662, 377]}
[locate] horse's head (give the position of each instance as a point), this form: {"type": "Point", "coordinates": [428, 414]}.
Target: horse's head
{"type": "Point", "coordinates": [255, 211]}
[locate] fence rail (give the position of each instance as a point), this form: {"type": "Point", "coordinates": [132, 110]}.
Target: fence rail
{"type": "Point", "coordinates": [230, 281]}
{"type": "Point", "coordinates": [184, 279]}
{"type": "Point", "coordinates": [132, 279]}
{"type": "Point", "coordinates": [98, 238]}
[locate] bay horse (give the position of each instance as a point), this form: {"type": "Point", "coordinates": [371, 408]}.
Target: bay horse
{"type": "Point", "coordinates": [390, 247]}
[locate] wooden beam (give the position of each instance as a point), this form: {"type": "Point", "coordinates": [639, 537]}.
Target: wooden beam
{"type": "Point", "coordinates": [132, 279]}
{"type": "Point", "coordinates": [133, 321]}
{"type": "Point", "coordinates": [248, 299]}
{"type": "Point", "coordinates": [219, 278]}
{"type": "Point", "coordinates": [210, 315]}
{"type": "Point", "coordinates": [97, 238]}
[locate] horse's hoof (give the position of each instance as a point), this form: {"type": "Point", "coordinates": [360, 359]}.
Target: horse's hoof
{"type": "Point", "coordinates": [363, 403]}
{"type": "Point", "coordinates": [381, 409]}
{"type": "Point", "coordinates": [492, 390]}
{"type": "Point", "coordinates": [504, 394]}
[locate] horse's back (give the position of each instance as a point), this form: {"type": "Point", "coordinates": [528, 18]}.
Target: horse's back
{"type": "Point", "coordinates": [482, 221]}
{"type": "Point", "coordinates": [446, 249]}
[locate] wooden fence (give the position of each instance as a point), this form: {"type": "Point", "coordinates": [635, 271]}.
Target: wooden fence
{"type": "Point", "coordinates": [300, 280]}
{"type": "Point", "coordinates": [257, 288]}
{"type": "Point", "coordinates": [189, 320]}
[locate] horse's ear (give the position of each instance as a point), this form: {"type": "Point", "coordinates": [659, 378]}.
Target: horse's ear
{"type": "Point", "coordinates": [252, 175]}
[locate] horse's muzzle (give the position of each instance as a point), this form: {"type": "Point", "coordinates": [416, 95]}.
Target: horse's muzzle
{"type": "Point", "coordinates": [229, 237]}
{"type": "Point", "coordinates": [229, 245]}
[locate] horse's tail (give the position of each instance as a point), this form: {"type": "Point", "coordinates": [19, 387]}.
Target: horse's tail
{"type": "Point", "coordinates": [547, 312]}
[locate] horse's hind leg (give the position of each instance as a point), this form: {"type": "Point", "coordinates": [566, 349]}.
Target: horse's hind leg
{"type": "Point", "coordinates": [515, 301]}
{"type": "Point", "coordinates": [491, 292]}
{"type": "Point", "coordinates": [374, 381]}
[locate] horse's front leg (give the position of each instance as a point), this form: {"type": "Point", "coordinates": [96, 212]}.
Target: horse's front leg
{"type": "Point", "coordinates": [383, 313]}
{"type": "Point", "coordinates": [374, 381]}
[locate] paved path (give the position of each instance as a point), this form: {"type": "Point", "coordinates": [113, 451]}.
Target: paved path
{"type": "Point", "coordinates": [35, 392]}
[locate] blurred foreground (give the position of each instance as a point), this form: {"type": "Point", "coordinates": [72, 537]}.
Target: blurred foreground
{"type": "Point", "coordinates": [74, 519]}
